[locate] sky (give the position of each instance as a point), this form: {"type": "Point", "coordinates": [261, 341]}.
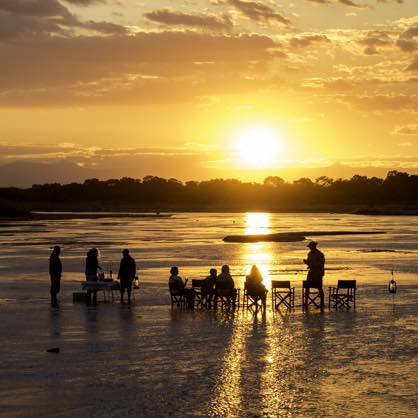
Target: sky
{"type": "Point", "coordinates": [199, 89]}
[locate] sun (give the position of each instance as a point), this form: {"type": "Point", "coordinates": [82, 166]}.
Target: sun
{"type": "Point", "coordinates": [258, 147]}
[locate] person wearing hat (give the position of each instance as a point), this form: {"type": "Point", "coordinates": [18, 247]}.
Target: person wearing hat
{"type": "Point", "coordinates": [55, 271]}
{"type": "Point", "coordinates": [316, 270]}
{"type": "Point", "coordinates": [126, 275]}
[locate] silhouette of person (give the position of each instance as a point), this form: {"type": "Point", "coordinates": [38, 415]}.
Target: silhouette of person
{"type": "Point", "coordinates": [175, 282]}
{"type": "Point", "coordinates": [55, 271]}
{"type": "Point", "coordinates": [126, 275]}
{"type": "Point", "coordinates": [208, 287]}
{"type": "Point", "coordinates": [316, 269]}
{"type": "Point", "coordinates": [255, 286]}
{"type": "Point", "coordinates": [225, 285]}
{"type": "Point", "coordinates": [92, 267]}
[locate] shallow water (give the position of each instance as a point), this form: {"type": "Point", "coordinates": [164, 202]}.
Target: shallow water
{"type": "Point", "coordinates": [150, 360]}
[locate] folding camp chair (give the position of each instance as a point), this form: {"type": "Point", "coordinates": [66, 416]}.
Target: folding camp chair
{"type": "Point", "coordinates": [343, 295]}
{"type": "Point", "coordinates": [177, 297]}
{"type": "Point", "coordinates": [200, 297]}
{"type": "Point", "coordinates": [226, 296]}
{"type": "Point", "coordinates": [309, 297]}
{"type": "Point", "coordinates": [251, 301]}
{"type": "Point", "coordinates": [282, 294]}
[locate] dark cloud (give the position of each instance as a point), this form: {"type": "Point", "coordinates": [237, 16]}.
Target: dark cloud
{"type": "Point", "coordinates": [407, 41]}
{"type": "Point", "coordinates": [352, 4]}
{"type": "Point", "coordinates": [406, 130]}
{"type": "Point", "coordinates": [147, 67]}
{"type": "Point", "coordinates": [84, 2]}
{"type": "Point", "coordinates": [169, 17]}
{"type": "Point", "coordinates": [25, 19]}
{"type": "Point", "coordinates": [307, 40]}
{"type": "Point", "coordinates": [375, 40]}
{"type": "Point", "coordinates": [413, 66]}
{"type": "Point", "coordinates": [349, 3]}
{"type": "Point", "coordinates": [259, 12]}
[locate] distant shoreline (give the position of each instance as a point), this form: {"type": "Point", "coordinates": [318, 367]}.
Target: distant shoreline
{"type": "Point", "coordinates": [88, 212]}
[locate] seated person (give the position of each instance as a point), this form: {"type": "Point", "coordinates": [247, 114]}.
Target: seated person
{"type": "Point", "coordinates": [176, 283]}
{"type": "Point", "coordinates": [254, 285]}
{"type": "Point", "coordinates": [208, 288]}
{"type": "Point", "coordinates": [224, 286]}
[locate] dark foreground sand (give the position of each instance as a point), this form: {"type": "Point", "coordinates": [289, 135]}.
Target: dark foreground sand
{"type": "Point", "coordinates": [148, 360]}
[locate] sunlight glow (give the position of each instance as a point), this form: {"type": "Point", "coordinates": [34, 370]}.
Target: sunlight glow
{"type": "Point", "coordinates": [258, 147]}
{"type": "Point", "coordinates": [257, 223]}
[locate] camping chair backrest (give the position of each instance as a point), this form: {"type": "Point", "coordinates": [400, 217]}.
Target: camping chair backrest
{"type": "Point", "coordinates": [347, 284]}
{"type": "Point", "coordinates": [198, 283]}
{"type": "Point", "coordinates": [280, 284]}
{"type": "Point", "coordinates": [223, 286]}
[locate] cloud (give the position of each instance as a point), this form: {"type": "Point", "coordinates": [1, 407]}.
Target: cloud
{"type": "Point", "coordinates": [407, 41]}
{"type": "Point", "coordinates": [304, 41]}
{"type": "Point", "coordinates": [406, 130]}
{"type": "Point", "coordinates": [413, 66]}
{"type": "Point", "coordinates": [169, 17]}
{"type": "Point", "coordinates": [84, 2]}
{"type": "Point", "coordinates": [28, 19]}
{"type": "Point", "coordinates": [351, 3]}
{"type": "Point", "coordinates": [258, 12]}
{"type": "Point", "coordinates": [374, 40]}
{"type": "Point", "coordinates": [144, 68]}
{"type": "Point", "coordinates": [382, 103]}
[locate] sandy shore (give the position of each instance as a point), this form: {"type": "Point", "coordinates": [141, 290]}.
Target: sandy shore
{"type": "Point", "coordinates": [148, 360]}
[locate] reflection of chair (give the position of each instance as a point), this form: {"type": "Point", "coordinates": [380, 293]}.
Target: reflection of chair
{"type": "Point", "coordinates": [177, 296]}
{"type": "Point", "coordinates": [311, 298]}
{"type": "Point", "coordinates": [252, 300]}
{"type": "Point", "coordinates": [226, 296]}
{"type": "Point", "coordinates": [200, 296]}
{"type": "Point", "coordinates": [282, 293]}
{"type": "Point", "coordinates": [343, 295]}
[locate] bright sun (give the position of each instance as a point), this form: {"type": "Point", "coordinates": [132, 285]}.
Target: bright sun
{"type": "Point", "coordinates": [258, 147]}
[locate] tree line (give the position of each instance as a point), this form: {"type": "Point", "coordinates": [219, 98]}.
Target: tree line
{"type": "Point", "coordinates": [398, 188]}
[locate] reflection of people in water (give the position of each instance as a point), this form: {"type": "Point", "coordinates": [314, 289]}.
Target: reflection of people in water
{"type": "Point", "coordinates": [316, 266]}
{"type": "Point", "coordinates": [126, 275]}
{"type": "Point", "coordinates": [255, 286]}
{"type": "Point", "coordinates": [92, 267]}
{"type": "Point", "coordinates": [175, 282]}
{"type": "Point", "coordinates": [55, 271]}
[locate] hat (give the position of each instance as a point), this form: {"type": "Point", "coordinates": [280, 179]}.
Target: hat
{"type": "Point", "coordinates": [312, 244]}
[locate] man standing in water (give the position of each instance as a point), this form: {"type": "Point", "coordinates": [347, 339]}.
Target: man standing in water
{"type": "Point", "coordinates": [315, 263]}
{"type": "Point", "coordinates": [127, 273]}
{"type": "Point", "coordinates": [55, 271]}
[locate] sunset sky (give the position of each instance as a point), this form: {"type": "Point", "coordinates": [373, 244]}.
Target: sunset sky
{"type": "Point", "coordinates": [193, 88]}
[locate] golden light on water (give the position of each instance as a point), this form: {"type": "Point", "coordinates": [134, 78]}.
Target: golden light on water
{"type": "Point", "coordinates": [258, 253]}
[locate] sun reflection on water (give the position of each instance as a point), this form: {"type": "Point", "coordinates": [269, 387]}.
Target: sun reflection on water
{"type": "Point", "coordinates": [258, 253]}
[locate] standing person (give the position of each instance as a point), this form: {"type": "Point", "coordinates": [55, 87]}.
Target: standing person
{"type": "Point", "coordinates": [92, 267]}
{"type": "Point", "coordinates": [175, 282]}
{"type": "Point", "coordinates": [316, 266]}
{"type": "Point", "coordinates": [55, 271]}
{"type": "Point", "coordinates": [127, 273]}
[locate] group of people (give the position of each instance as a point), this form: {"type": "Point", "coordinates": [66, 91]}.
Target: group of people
{"type": "Point", "coordinates": [212, 287]}
{"type": "Point", "coordinates": [215, 284]}
{"type": "Point", "coordinates": [93, 272]}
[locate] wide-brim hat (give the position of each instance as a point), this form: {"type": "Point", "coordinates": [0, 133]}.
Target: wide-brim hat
{"type": "Point", "coordinates": [312, 244]}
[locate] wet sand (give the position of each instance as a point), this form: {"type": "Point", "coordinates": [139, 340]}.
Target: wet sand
{"type": "Point", "coordinates": [149, 360]}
